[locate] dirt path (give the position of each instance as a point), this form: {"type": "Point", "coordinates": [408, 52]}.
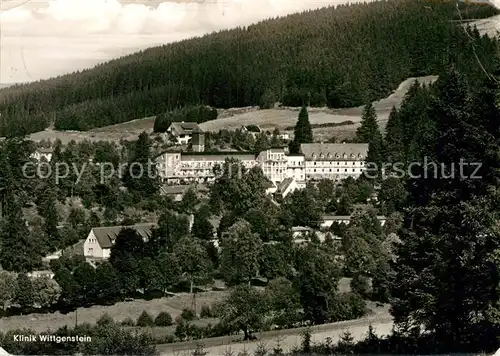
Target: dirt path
{"type": "Point", "coordinates": [286, 339]}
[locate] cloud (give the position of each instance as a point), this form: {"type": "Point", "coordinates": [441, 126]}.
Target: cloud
{"type": "Point", "coordinates": [41, 40]}
{"type": "Point", "coordinates": [84, 17]}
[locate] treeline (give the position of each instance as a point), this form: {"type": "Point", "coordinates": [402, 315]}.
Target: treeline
{"type": "Point", "coordinates": [198, 114]}
{"type": "Point", "coordinates": [334, 56]}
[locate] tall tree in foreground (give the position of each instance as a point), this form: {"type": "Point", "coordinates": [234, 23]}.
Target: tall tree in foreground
{"type": "Point", "coordinates": [17, 250]}
{"type": "Point", "coordinates": [239, 259]}
{"type": "Point", "coordinates": [243, 309]}
{"type": "Point", "coordinates": [193, 260]}
{"type": "Point", "coordinates": [369, 132]}
{"type": "Point", "coordinates": [446, 274]}
{"type": "Point", "coordinates": [140, 176]}
{"type": "Point", "coordinates": [394, 143]}
{"type": "Point", "coordinates": [302, 132]}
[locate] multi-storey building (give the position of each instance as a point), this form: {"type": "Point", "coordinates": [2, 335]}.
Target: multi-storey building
{"type": "Point", "coordinates": [296, 167]}
{"type": "Point", "coordinates": [274, 164]}
{"type": "Point", "coordinates": [185, 167]}
{"type": "Point", "coordinates": [334, 161]}
{"type": "Point", "coordinates": [316, 162]}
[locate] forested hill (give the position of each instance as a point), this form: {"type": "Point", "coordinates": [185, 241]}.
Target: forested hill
{"type": "Point", "coordinates": [339, 56]}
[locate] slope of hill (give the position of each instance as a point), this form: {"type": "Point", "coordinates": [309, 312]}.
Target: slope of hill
{"type": "Point", "coordinates": [336, 56]}
{"type": "Point", "coordinates": [231, 119]}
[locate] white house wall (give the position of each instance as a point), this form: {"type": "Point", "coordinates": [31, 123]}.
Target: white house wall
{"type": "Point", "coordinates": [91, 247]}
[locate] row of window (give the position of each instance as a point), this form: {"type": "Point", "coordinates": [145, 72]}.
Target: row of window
{"type": "Point", "coordinates": [330, 170]}
{"type": "Point", "coordinates": [337, 163]}
{"type": "Point", "coordinates": [337, 155]}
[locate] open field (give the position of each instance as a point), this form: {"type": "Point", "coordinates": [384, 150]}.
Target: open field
{"type": "Point", "coordinates": [489, 26]}
{"type": "Point", "coordinates": [287, 339]}
{"type": "Point", "coordinates": [231, 119]}
{"type": "Point", "coordinates": [123, 310]}
{"type": "Point", "coordinates": [119, 312]}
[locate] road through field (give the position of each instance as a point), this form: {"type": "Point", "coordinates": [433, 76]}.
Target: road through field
{"type": "Point", "coordinates": [286, 339]}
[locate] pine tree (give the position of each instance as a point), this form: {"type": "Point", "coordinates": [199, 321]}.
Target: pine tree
{"type": "Point", "coordinates": [444, 278]}
{"type": "Point", "coordinates": [369, 125]}
{"type": "Point", "coordinates": [140, 176]}
{"type": "Point", "coordinates": [369, 132]}
{"type": "Point", "coordinates": [47, 209]}
{"type": "Point", "coordinates": [394, 138]}
{"type": "Point", "coordinates": [18, 252]}
{"type": "Point", "coordinates": [302, 132]}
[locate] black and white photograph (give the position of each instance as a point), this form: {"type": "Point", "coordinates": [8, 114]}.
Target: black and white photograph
{"type": "Point", "coordinates": [249, 177]}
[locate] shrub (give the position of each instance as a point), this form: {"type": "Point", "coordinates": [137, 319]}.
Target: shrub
{"type": "Point", "coordinates": [361, 285]}
{"type": "Point", "coordinates": [347, 307]}
{"type": "Point", "coordinates": [206, 312]}
{"type": "Point", "coordinates": [163, 319]}
{"type": "Point", "coordinates": [188, 314]}
{"type": "Point", "coordinates": [145, 319]}
{"type": "Point", "coordinates": [105, 319]}
{"type": "Point", "coordinates": [128, 322]}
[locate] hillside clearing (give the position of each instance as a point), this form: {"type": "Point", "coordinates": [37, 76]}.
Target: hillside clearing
{"type": "Point", "coordinates": [232, 119]}
{"type": "Point", "coordinates": [119, 312]}
{"type": "Point", "coordinates": [123, 310]}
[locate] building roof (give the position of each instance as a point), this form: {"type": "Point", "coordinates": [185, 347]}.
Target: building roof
{"type": "Point", "coordinates": [217, 156]}
{"type": "Point", "coordinates": [285, 184]}
{"type": "Point", "coordinates": [337, 151]}
{"type": "Point", "coordinates": [268, 184]}
{"type": "Point", "coordinates": [346, 217]}
{"type": "Point", "coordinates": [301, 228]}
{"type": "Point", "coordinates": [252, 128]}
{"type": "Point", "coordinates": [183, 128]}
{"type": "Point", "coordinates": [45, 150]}
{"type": "Point", "coordinates": [76, 249]}
{"type": "Point", "coordinates": [107, 235]}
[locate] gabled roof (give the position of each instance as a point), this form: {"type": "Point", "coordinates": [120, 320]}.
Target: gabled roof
{"type": "Point", "coordinates": [106, 236]}
{"type": "Point", "coordinates": [183, 128]}
{"type": "Point", "coordinates": [252, 128]}
{"type": "Point", "coordinates": [285, 184]}
{"type": "Point", "coordinates": [334, 151]}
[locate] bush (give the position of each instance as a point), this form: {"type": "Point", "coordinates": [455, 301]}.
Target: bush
{"type": "Point", "coordinates": [347, 307]}
{"type": "Point", "coordinates": [206, 312]}
{"type": "Point", "coordinates": [128, 322]}
{"type": "Point", "coordinates": [188, 315]}
{"type": "Point", "coordinates": [105, 319]}
{"type": "Point", "coordinates": [163, 319]}
{"type": "Point", "coordinates": [145, 319]}
{"type": "Point", "coordinates": [361, 285]}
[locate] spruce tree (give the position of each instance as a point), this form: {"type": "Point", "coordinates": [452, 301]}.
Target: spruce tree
{"type": "Point", "coordinates": [394, 137]}
{"type": "Point", "coordinates": [369, 125]}
{"type": "Point", "coordinates": [444, 276]}
{"type": "Point", "coordinates": [140, 176]}
{"type": "Point", "coordinates": [302, 132]}
{"type": "Point", "coordinates": [48, 210]}
{"type": "Point", "coordinates": [369, 132]}
{"type": "Point", "coordinates": [17, 250]}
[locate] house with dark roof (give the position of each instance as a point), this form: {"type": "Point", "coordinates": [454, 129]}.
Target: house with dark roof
{"type": "Point", "coordinates": [253, 130]}
{"type": "Point", "coordinates": [285, 187]}
{"type": "Point", "coordinates": [98, 244]}
{"type": "Point", "coordinates": [43, 154]}
{"type": "Point", "coordinates": [183, 131]}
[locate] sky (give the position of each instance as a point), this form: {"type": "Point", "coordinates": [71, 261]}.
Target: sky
{"type": "Point", "coordinates": [42, 39]}
{"type": "Point", "coordinates": [39, 40]}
